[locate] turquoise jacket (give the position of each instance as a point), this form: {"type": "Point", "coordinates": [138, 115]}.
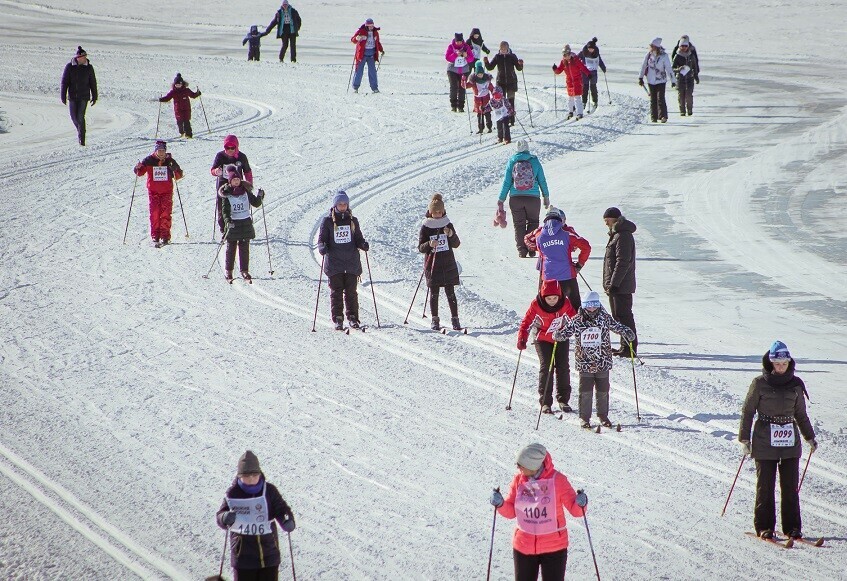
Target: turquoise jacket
{"type": "Point", "coordinates": [539, 187]}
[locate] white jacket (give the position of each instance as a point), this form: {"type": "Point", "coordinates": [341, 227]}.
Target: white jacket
{"type": "Point", "coordinates": [657, 68]}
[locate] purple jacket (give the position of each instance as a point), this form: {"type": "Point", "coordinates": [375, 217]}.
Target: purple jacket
{"type": "Point", "coordinates": [556, 244]}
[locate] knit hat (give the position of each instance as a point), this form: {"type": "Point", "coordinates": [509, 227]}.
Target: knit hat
{"type": "Point", "coordinates": [532, 457]}
{"type": "Point", "coordinates": [459, 37]}
{"type": "Point", "coordinates": [592, 43]}
{"type": "Point", "coordinates": [178, 79]}
{"type": "Point", "coordinates": [566, 49]}
{"type": "Point", "coordinates": [248, 464]}
{"type": "Point", "coordinates": [80, 51]}
{"type": "Point", "coordinates": [779, 352]}
{"type": "Point", "coordinates": [657, 42]}
{"type": "Point", "coordinates": [161, 145]}
{"type": "Point", "coordinates": [497, 92]}
{"type": "Point", "coordinates": [550, 288]}
{"type": "Point", "coordinates": [480, 68]}
{"type": "Point", "coordinates": [436, 204]}
{"type": "Point", "coordinates": [612, 213]}
{"type": "Point", "coordinates": [369, 21]}
{"type": "Point", "coordinates": [231, 170]}
{"type": "Point", "coordinates": [684, 41]}
{"type": "Point", "coordinates": [592, 299]}
{"type": "Point", "coordinates": [340, 197]}
{"type": "Point", "coordinates": [231, 141]}
{"type": "Point", "coordinates": [554, 213]}
{"type": "Point", "coordinates": [523, 146]}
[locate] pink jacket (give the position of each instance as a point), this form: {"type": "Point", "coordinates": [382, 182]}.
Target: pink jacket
{"type": "Point", "coordinates": [529, 544]}
{"type": "Point", "coordinates": [452, 53]}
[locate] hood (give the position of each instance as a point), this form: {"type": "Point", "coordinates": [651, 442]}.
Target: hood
{"type": "Point", "coordinates": [471, 38]}
{"type": "Point", "coordinates": [522, 155]}
{"type": "Point", "coordinates": [436, 223]}
{"type": "Point", "coordinates": [552, 226]}
{"type": "Point", "coordinates": [624, 225]}
{"type": "Point", "coordinates": [254, 29]}
{"type": "Point", "coordinates": [232, 141]}
{"type": "Point", "coordinates": [549, 288]}
{"type": "Point", "coordinates": [776, 380]}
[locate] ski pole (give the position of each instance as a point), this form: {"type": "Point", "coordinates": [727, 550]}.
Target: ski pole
{"type": "Point", "coordinates": [158, 117]}
{"type": "Point", "coordinates": [645, 89]}
{"type": "Point", "coordinates": [215, 212]}
{"type": "Point", "coordinates": [634, 384]}
{"type": "Point", "coordinates": [590, 544]}
{"type": "Point", "coordinates": [417, 288]}
{"type": "Point", "coordinates": [220, 245]}
{"type": "Point", "coordinates": [609, 93]}
{"type": "Point", "coordinates": [522, 126]}
{"type": "Point", "coordinates": [585, 281]}
{"type": "Point", "coordinates": [528, 104]}
{"type": "Point", "coordinates": [179, 199]}
{"type": "Point", "coordinates": [491, 546]}
{"type": "Point", "coordinates": [379, 62]}
{"type": "Point", "coordinates": [318, 298]}
{"type": "Point", "coordinates": [515, 380]}
{"type": "Point", "coordinates": [426, 298]}
{"type": "Point", "coordinates": [731, 488]}
{"type": "Point", "coordinates": [470, 125]}
{"type": "Point", "coordinates": [373, 292]}
{"type": "Point", "coordinates": [203, 108]}
{"type": "Point", "coordinates": [223, 557]}
{"type": "Point", "coordinates": [549, 385]}
{"type": "Point", "coordinates": [811, 451]}
{"type": "Point", "coordinates": [352, 66]}
{"type": "Point", "coordinates": [135, 183]}
{"type": "Point", "coordinates": [267, 242]}
{"type": "Point", "coordinates": [291, 552]}
{"type": "Point", "coordinates": [555, 97]}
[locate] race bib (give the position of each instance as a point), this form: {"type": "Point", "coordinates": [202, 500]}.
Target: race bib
{"type": "Point", "coordinates": [160, 173]}
{"type": "Point", "coordinates": [556, 324]}
{"type": "Point", "coordinates": [782, 436]}
{"type": "Point", "coordinates": [239, 207]}
{"type": "Point", "coordinates": [343, 235]}
{"type": "Point", "coordinates": [251, 515]}
{"type": "Point", "coordinates": [535, 507]}
{"type": "Point", "coordinates": [684, 70]}
{"type": "Point", "coordinates": [590, 338]}
{"type": "Point", "coordinates": [442, 242]}
{"type": "Point", "coordinates": [460, 62]}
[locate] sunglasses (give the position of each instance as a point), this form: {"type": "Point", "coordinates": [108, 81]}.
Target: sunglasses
{"type": "Point", "coordinates": [228, 148]}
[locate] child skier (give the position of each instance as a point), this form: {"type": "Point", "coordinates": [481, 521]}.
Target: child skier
{"type": "Point", "coordinates": [556, 242]}
{"type": "Point", "coordinates": [574, 69]}
{"type": "Point", "coordinates": [593, 354]}
{"type": "Point", "coordinates": [481, 85]}
{"type": "Point", "coordinates": [339, 241]}
{"type": "Point", "coordinates": [254, 37]}
{"type": "Point", "coordinates": [545, 316]}
{"type": "Point", "coordinates": [236, 198]}
{"type": "Point", "coordinates": [229, 155]}
{"type": "Point", "coordinates": [437, 239]}
{"type": "Point", "coordinates": [502, 111]}
{"type": "Point", "coordinates": [161, 170]}
{"type": "Point", "coordinates": [182, 106]}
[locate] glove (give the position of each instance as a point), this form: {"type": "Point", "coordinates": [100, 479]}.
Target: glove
{"type": "Point", "coordinates": [199, 93]}
{"type": "Point", "coordinates": [322, 249]}
{"type": "Point", "coordinates": [161, 99]}
{"type": "Point", "coordinates": [746, 447]}
{"type": "Point", "coordinates": [366, 246]}
{"type": "Point", "coordinates": [382, 52]}
{"type": "Point", "coordinates": [448, 231]}
{"type": "Point", "coordinates": [485, 59]}
{"type": "Point", "coordinates": [581, 498]}
{"type": "Point", "coordinates": [813, 444]}
{"type": "Point", "coordinates": [261, 194]}
{"type": "Point", "coordinates": [139, 166]}
{"type": "Point", "coordinates": [93, 102]}
{"type": "Point", "coordinates": [577, 266]}
{"type": "Point", "coordinates": [554, 68]}
{"type": "Point", "coordinates": [520, 62]}
{"type": "Point", "coordinates": [697, 81]}
{"type": "Point", "coordinates": [228, 518]}
{"type": "Point", "coordinates": [546, 202]}
{"type": "Point", "coordinates": [218, 171]}
{"type": "Point", "coordinates": [496, 499]}
{"type": "Point", "coordinates": [288, 524]}
{"type": "Point", "coordinates": [640, 82]}
{"type": "Point", "coordinates": [521, 344]}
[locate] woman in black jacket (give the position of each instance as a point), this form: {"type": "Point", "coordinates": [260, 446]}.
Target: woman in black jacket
{"type": "Point", "coordinates": [236, 198]}
{"type": "Point", "coordinates": [506, 63]}
{"type": "Point", "coordinates": [437, 239]}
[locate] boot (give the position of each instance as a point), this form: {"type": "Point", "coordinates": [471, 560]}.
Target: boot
{"type": "Point", "coordinates": [455, 322]}
{"type": "Point", "coordinates": [436, 323]}
{"type": "Point", "coordinates": [246, 276]}
{"type": "Point", "coordinates": [228, 276]}
{"type": "Point", "coordinates": [354, 323]}
{"type": "Point", "coordinates": [545, 409]}
{"type": "Point", "coordinates": [339, 323]}
{"type": "Point", "coordinates": [604, 421]}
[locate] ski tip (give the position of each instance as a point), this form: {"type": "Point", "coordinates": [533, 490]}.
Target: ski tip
{"type": "Point", "coordinates": [347, 331]}
{"type": "Point", "coordinates": [789, 543]}
{"type": "Point", "coordinates": [618, 428]}
{"type": "Point", "coordinates": [465, 331]}
{"type": "Point", "coordinates": [598, 429]}
{"type": "Point", "coordinates": [819, 542]}
{"type": "Point", "coordinates": [443, 331]}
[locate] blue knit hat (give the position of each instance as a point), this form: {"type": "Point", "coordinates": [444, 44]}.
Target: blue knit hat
{"type": "Point", "coordinates": [592, 299]}
{"type": "Point", "coordinates": [479, 67]}
{"type": "Point", "coordinates": [779, 352]}
{"type": "Point", "coordinates": [340, 198]}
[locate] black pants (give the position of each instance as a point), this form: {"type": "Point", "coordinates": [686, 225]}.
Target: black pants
{"type": "Point", "coordinates": [685, 89]}
{"type": "Point", "coordinates": [552, 566]}
{"type": "Point", "coordinates": [526, 211]}
{"type": "Point", "coordinates": [253, 53]}
{"type": "Point", "coordinates": [561, 369]}
{"type": "Point", "coordinates": [288, 38]}
{"type": "Point", "coordinates": [570, 290]}
{"type": "Point", "coordinates": [503, 130]}
{"type": "Point", "coordinates": [450, 291]}
{"type": "Point", "coordinates": [457, 91]}
{"type": "Point", "coordinates": [266, 574]}
{"type": "Point", "coordinates": [621, 306]}
{"type": "Point", "coordinates": [588, 383]}
{"type": "Point", "coordinates": [514, 111]}
{"type": "Point", "coordinates": [589, 83]}
{"type": "Point", "coordinates": [243, 247]}
{"type": "Point", "coordinates": [764, 517]}
{"type": "Point", "coordinates": [483, 120]}
{"type": "Point", "coordinates": [77, 108]}
{"type": "Point", "coordinates": [184, 128]}
{"type": "Point", "coordinates": [343, 291]}
{"type": "Point", "coordinates": [658, 106]}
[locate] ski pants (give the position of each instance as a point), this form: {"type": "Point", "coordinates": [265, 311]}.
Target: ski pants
{"type": "Point", "coordinates": [510, 95]}
{"type": "Point", "coordinates": [587, 383]}
{"type": "Point", "coordinates": [243, 247]}
{"type": "Point", "coordinates": [589, 83]}
{"type": "Point", "coordinates": [552, 566]}
{"type": "Point", "coordinates": [658, 106]}
{"type": "Point", "coordinates": [287, 39]}
{"type": "Point", "coordinates": [570, 290]}
{"type": "Point", "coordinates": [161, 207]}
{"type": "Point", "coordinates": [360, 69]}
{"type": "Point", "coordinates": [184, 127]}
{"type": "Point", "coordinates": [561, 369]}
{"type": "Point", "coordinates": [265, 574]}
{"type": "Point", "coordinates": [685, 91]}
{"type": "Point", "coordinates": [526, 211]}
{"type": "Point", "coordinates": [621, 307]}
{"type": "Point", "coordinates": [483, 120]}
{"type": "Point", "coordinates": [452, 302]}
{"type": "Point", "coordinates": [253, 52]}
{"type": "Point", "coordinates": [575, 102]}
{"type": "Point", "coordinates": [503, 131]}
{"type": "Point", "coordinates": [764, 517]}
{"type": "Point", "coordinates": [343, 291]}
{"type": "Point", "coordinates": [457, 90]}
{"type": "Point", "coordinates": [77, 109]}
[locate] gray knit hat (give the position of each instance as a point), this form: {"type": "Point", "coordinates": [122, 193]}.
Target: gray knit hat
{"type": "Point", "coordinates": [532, 457]}
{"type": "Point", "coordinates": [248, 464]}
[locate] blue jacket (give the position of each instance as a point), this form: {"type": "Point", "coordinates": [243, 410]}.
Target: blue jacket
{"type": "Point", "coordinates": [538, 188]}
{"type": "Point", "coordinates": [556, 243]}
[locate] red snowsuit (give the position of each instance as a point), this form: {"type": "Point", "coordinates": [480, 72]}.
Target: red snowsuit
{"type": "Point", "coordinates": [160, 191]}
{"type": "Point", "coordinates": [574, 69]}
{"type": "Point", "coordinates": [182, 106]}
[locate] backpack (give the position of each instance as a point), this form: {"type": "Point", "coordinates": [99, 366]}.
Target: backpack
{"type": "Point", "coordinates": [522, 175]}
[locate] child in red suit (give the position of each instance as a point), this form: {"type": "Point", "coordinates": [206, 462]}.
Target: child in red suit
{"type": "Point", "coordinates": [161, 170]}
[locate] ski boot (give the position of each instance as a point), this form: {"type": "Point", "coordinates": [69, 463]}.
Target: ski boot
{"type": "Point", "coordinates": [545, 409]}
{"type": "Point", "coordinates": [570, 115]}
{"type": "Point", "coordinates": [604, 421]}
{"type": "Point", "coordinates": [339, 323]}
{"type": "Point", "coordinates": [578, 116]}
{"type": "Point", "coordinates": [585, 424]}
{"type": "Point", "coordinates": [246, 276]}
{"type": "Point", "coordinates": [354, 323]}
{"type": "Point", "coordinates": [455, 322]}
{"type": "Point", "coordinates": [436, 323]}
{"type": "Point", "coordinates": [766, 534]}
{"type": "Point", "coordinates": [228, 276]}
{"type": "Point", "coordinates": [565, 407]}
{"type": "Point", "coordinates": [164, 242]}
{"type": "Point", "coordinates": [795, 534]}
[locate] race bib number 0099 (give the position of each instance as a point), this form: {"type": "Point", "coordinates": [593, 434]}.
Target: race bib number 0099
{"type": "Point", "coordinates": [782, 436]}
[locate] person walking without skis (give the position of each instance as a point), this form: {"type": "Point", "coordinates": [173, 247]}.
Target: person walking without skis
{"type": "Point", "coordinates": [251, 512]}
{"type": "Point", "coordinates": [368, 51]}
{"type": "Point", "coordinates": [506, 63]}
{"type": "Point", "coordinates": [619, 274]}
{"type": "Point", "coordinates": [482, 87]}
{"type": "Point", "coordinates": [593, 354]}
{"type": "Point", "coordinates": [254, 37]}
{"type": "Point", "coordinates": [556, 242]}
{"type": "Point", "coordinates": [777, 396]}
{"type": "Point", "coordinates": [79, 86]}
{"type": "Point", "coordinates": [230, 155]}
{"type": "Point", "coordinates": [687, 70]}
{"type": "Point", "coordinates": [287, 22]}
{"type": "Point", "coordinates": [161, 171]}
{"type": "Point", "coordinates": [437, 239]}
{"type": "Point", "coordinates": [658, 70]}
{"type": "Point", "coordinates": [460, 62]}
{"type": "Point", "coordinates": [236, 198]}
{"type": "Point", "coordinates": [684, 38]}
{"type": "Point", "coordinates": [574, 70]}
{"type": "Point", "coordinates": [339, 240]}
{"type": "Point", "coordinates": [538, 497]}
{"type": "Point", "coordinates": [501, 111]}
{"type": "Point", "coordinates": [544, 315]}
{"type": "Point", "coordinates": [180, 94]}
{"type": "Point", "coordinates": [525, 184]}
{"type": "Point", "coordinates": [477, 44]}
{"type": "Point", "coordinates": [590, 55]}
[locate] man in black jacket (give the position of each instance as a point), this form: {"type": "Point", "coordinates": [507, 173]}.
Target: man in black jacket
{"type": "Point", "coordinates": [79, 85]}
{"type": "Point", "coordinates": [619, 273]}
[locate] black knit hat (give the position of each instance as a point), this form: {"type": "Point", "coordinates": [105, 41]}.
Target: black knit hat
{"type": "Point", "coordinates": [80, 51]}
{"type": "Point", "coordinates": [178, 79]}
{"type": "Point", "coordinates": [248, 464]}
{"type": "Point", "coordinates": [459, 36]}
{"type": "Point", "coordinates": [612, 213]}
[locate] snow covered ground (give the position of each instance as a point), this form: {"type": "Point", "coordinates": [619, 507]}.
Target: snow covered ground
{"type": "Point", "coordinates": [130, 385]}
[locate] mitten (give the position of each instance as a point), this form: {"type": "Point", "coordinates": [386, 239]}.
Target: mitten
{"type": "Point", "coordinates": [288, 524]}
{"type": "Point", "coordinates": [228, 518]}
{"type": "Point", "coordinates": [813, 444]}
{"type": "Point", "coordinates": [581, 498]}
{"type": "Point", "coordinates": [640, 82]}
{"type": "Point", "coordinates": [496, 499]}
{"type": "Point", "coordinates": [746, 447]}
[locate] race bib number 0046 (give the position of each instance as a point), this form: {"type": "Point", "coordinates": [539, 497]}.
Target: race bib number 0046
{"type": "Point", "coordinates": [160, 173]}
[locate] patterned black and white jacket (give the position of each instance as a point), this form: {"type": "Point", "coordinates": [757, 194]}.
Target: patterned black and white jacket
{"type": "Point", "coordinates": [593, 350]}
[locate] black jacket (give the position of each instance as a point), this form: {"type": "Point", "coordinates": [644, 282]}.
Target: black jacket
{"type": "Point", "coordinates": [240, 161]}
{"type": "Point", "coordinates": [79, 82]}
{"type": "Point", "coordinates": [619, 261]}
{"type": "Point", "coordinates": [342, 254]}
{"type": "Point", "coordinates": [238, 229]}
{"type": "Point", "coordinates": [480, 43]}
{"type": "Point", "coordinates": [440, 267]}
{"type": "Point", "coordinates": [506, 65]}
{"type": "Point", "coordinates": [688, 59]}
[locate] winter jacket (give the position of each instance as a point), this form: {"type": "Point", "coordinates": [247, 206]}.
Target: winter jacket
{"type": "Point", "coordinates": [340, 240]}
{"type": "Point", "coordinates": [619, 261]}
{"type": "Point", "coordinates": [574, 69]}
{"type": "Point", "coordinates": [592, 63]}
{"type": "Point", "coordinates": [452, 54]}
{"type": "Point", "coordinates": [440, 267]}
{"type": "Point", "coordinates": [222, 159]}
{"type": "Point", "coordinates": [506, 65]}
{"type": "Point", "coordinates": [256, 551]}
{"type": "Point", "coordinates": [239, 228]}
{"type": "Point", "coordinates": [778, 400]}
{"type": "Point", "coordinates": [530, 544]}
{"type": "Point", "coordinates": [360, 44]}
{"type": "Point", "coordinates": [478, 45]}
{"type": "Point", "coordinates": [556, 243]}
{"type": "Point", "coordinates": [539, 185]}
{"type": "Point", "coordinates": [657, 68]}
{"type": "Point", "coordinates": [690, 48]}
{"type": "Point", "coordinates": [182, 106]}
{"type": "Point", "coordinates": [79, 82]}
{"type": "Point", "coordinates": [686, 59]}
{"type": "Point", "coordinates": [593, 351]}
{"type": "Point", "coordinates": [540, 315]}
{"type": "Point", "coordinates": [482, 88]}
{"type": "Point", "coordinates": [279, 22]}
{"type": "Point", "coordinates": [158, 182]}
{"type": "Point", "coordinates": [500, 107]}
{"type": "Point", "coordinates": [254, 37]}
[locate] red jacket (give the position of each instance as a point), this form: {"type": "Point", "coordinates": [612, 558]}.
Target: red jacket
{"type": "Point", "coordinates": [574, 69]}
{"type": "Point", "coordinates": [182, 106]}
{"type": "Point", "coordinates": [540, 315]}
{"type": "Point", "coordinates": [154, 186]}
{"type": "Point", "coordinates": [530, 544]}
{"type": "Point", "coordinates": [360, 44]}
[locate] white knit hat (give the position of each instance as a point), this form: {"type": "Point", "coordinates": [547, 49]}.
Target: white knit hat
{"type": "Point", "coordinates": [592, 299]}
{"type": "Point", "coordinates": [522, 145]}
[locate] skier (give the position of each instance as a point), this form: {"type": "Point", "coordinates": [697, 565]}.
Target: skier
{"type": "Point", "coordinates": [574, 70]}
{"type": "Point", "coordinates": [501, 111]}
{"type": "Point", "coordinates": [368, 50]}
{"type": "Point", "coordinates": [182, 106]}
{"type": "Point", "coordinates": [657, 67]}
{"type": "Point", "coordinates": [477, 44]}
{"type": "Point", "coordinates": [460, 62]}
{"type": "Point", "coordinates": [252, 511]}
{"type": "Point", "coordinates": [619, 274]}
{"type": "Point", "coordinates": [287, 22]}
{"type": "Point", "coordinates": [236, 198]}
{"type": "Point", "coordinates": [687, 70]}
{"type": "Point", "coordinates": [525, 183]}
{"type": "Point", "coordinates": [161, 170]}
{"type": "Point", "coordinates": [230, 155]}
{"type": "Point", "coordinates": [340, 240]}
{"type": "Point", "coordinates": [79, 84]}
{"type": "Point", "coordinates": [481, 85]}
{"type": "Point", "coordinates": [537, 497]}
{"type": "Point", "coordinates": [437, 239]}
{"type": "Point", "coordinates": [545, 315]}
{"type": "Point", "coordinates": [507, 79]}
{"type": "Point", "coordinates": [590, 55]}
{"type": "Point", "coordinates": [777, 397]}
{"type": "Point", "coordinates": [556, 242]}
{"type": "Point", "coordinates": [254, 37]}
{"type": "Point", "coordinates": [593, 354]}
